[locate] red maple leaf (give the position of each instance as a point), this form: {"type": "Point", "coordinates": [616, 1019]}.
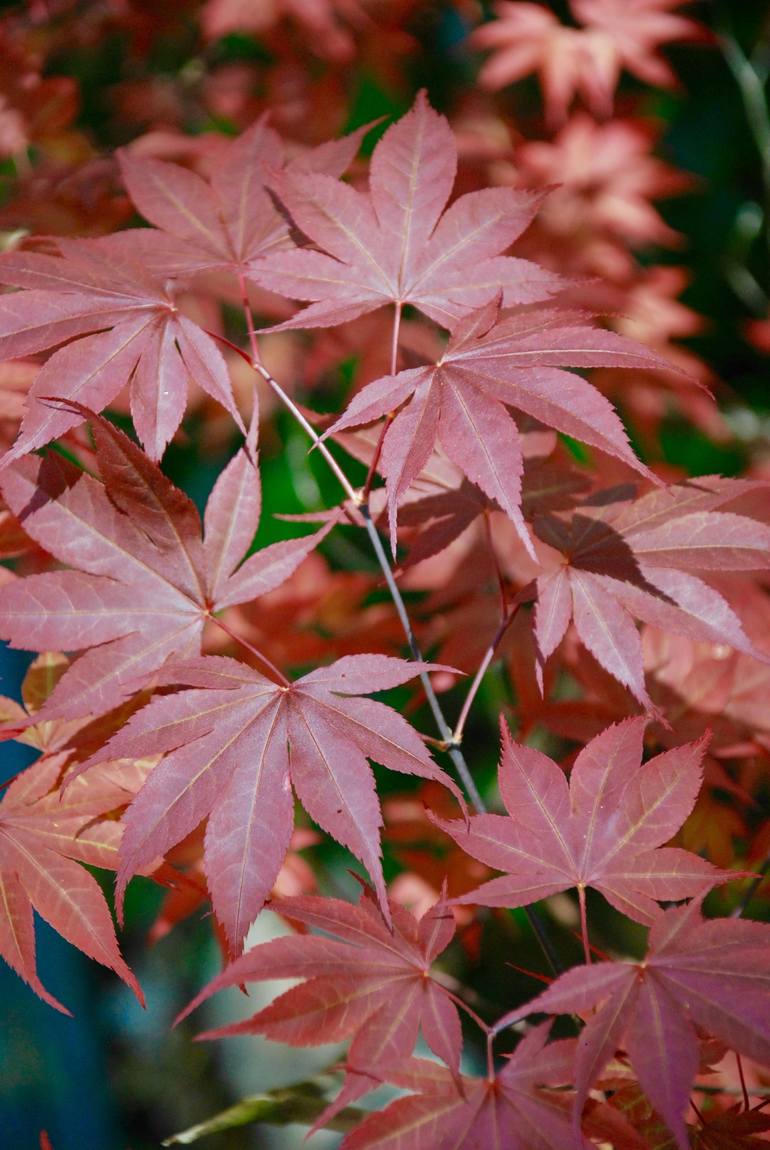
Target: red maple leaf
{"type": "Point", "coordinates": [370, 980]}
{"type": "Point", "coordinates": [733, 1130]}
{"type": "Point", "coordinates": [439, 518]}
{"type": "Point", "coordinates": [394, 245]}
{"type": "Point", "coordinates": [138, 336]}
{"type": "Point", "coordinates": [235, 743]}
{"type": "Point", "coordinates": [229, 221]}
{"type": "Point", "coordinates": [491, 364]}
{"type": "Point", "coordinates": [637, 30]}
{"type": "Point", "coordinates": [146, 576]}
{"type": "Point", "coordinates": [42, 833]}
{"type": "Point", "coordinates": [637, 558]}
{"type": "Point", "coordinates": [511, 1110]}
{"type": "Point", "coordinates": [696, 972]}
{"type": "Point", "coordinates": [528, 37]}
{"type": "Point", "coordinates": [604, 829]}
{"type": "Point", "coordinates": [607, 176]}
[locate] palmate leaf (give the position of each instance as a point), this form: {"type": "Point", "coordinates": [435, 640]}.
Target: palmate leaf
{"type": "Point", "coordinates": [734, 1130]}
{"type": "Point", "coordinates": [145, 576]}
{"type": "Point", "coordinates": [394, 245]}
{"type": "Point", "coordinates": [123, 325]}
{"type": "Point", "coordinates": [711, 973]}
{"type": "Point", "coordinates": [229, 221]}
{"type": "Point", "coordinates": [491, 364]}
{"type": "Point", "coordinates": [44, 837]}
{"type": "Point", "coordinates": [527, 37]}
{"type": "Point", "coordinates": [639, 1127]}
{"type": "Point", "coordinates": [236, 743]}
{"type": "Point", "coordinates": [604, 829]}
{"type": "Point", "coordinates": [514, 1110]}
{"type": "Point", "coordinates": [369, 981]}
{"type": "Point", "coordinates": [638, 559]}
{"type": "Point", "coordinates": [439, 518]}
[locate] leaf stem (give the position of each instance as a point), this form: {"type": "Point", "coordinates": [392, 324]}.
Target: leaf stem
{"type": "Point", "coordinates": [391, 414]}
{"type": "Point", "coordinates": [698, 1114]}
{"type": "Point", "coordinates": [454, 752]}
{"type": "Point", "coordinates": [253, 344]}
{"type": "Point", "coordinates": [377, 453]}
{"type": "Point", "coordinates": [540, 933]}
{"type": "Point", "coordinates": [742, 1077]}
{"type": "Point", "coordinates": [353, 495]}
{"type": "Point", "coordinates": [257, 364]}
{"type": "Point", "coordinates": [490, 1056]}
{"type": "Point", "coordinates": [394, 338]}
{"type": "Point", "coordinates": [467, 1009]}
{"type": "Point", "coordinates": [483, 668]}
{"type": "Point", "coordinates": [252, 649]}
{"type": "Point", "coordinates": [584, 923]}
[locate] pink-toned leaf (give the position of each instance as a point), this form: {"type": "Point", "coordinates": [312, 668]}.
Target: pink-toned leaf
{"type": "Point", "coordinates": [695, 972]}
{"type": "Point", "coordinates": [603, 829]}
{"type": "Point", "coordinates": [513, 1111]}
{"type": "Point", "coordinates": [247, 832]}
{"type": "Point", "coordinates": [40, 836]}
{"type": "Point", "coordinates": [230, 715]}
{"type": "Point", "coordinates": [92, 286]}
{"type": "Point", "coordinates": [393, 245]}
{"type": "Point", "coordinates": [370, 982]}
{"type": "Point", "coordinates": [489, 366]}
{"type": "Point", "coordinates": [609, 633]}
{"type": "Point", "coordinates": [623, 559]}
{"type": "Point", "coordinates": [143, 590]}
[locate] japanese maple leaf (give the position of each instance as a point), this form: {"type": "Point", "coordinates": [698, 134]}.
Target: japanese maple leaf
{"type": "Point", "coordinates": [733, 1130]}
{"type": "Point", "coordinates": [637, 559]}
{"type": "Point", "coordinates": [607, 175]}
{"type": "Point", "coordinates": [44, 836]}
{"type": "Point", "coordinates": [393, 245]}
{"type": "Point", "coordinates": [510, 1111]}
{"type": "Point", "coordinates": [235, 743]}
{"type": "Point", "coordinates": [526, 38]}
{"type": "Point", "coordinates": [696, 973]}
{"type": "Point", "coordinates": [602, 829]}
{"type": "Point", "coordinates": [442, 517]}
{"type": "Point", "coordinates": [145, 576]}
{"type": "Point", "coordinates": [489, 365]}
{"type": "Point", "coordinates": [119, 324]}
{"type": "Point", "coordinates": [224, 223]}
{"type": "Point", "coordinates": [320, 21]}
{"type": "Point", "coordinates": [370, 981]}
{"type": "Point", "coordinates": [637, 30]}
